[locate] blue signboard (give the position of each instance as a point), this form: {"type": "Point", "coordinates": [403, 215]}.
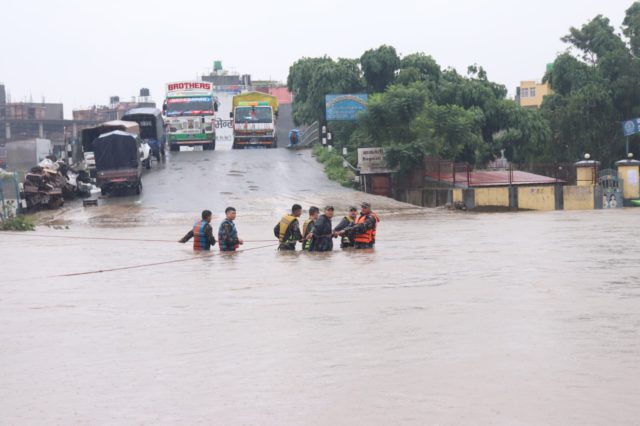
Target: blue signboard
{"type": "Point", "coordinates": [345, 107]}
{"type": "Point", "coordinates": [631, 127]}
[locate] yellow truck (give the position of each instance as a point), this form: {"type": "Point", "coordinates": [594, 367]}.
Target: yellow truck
{"type": "Point", "coordinates": [254, 117]}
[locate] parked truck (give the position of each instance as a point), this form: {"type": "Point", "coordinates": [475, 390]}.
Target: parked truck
{"type": "Point", "coordinates": [190, 110]}
{"type": "Point", "coordinates": [254, 117]}
{"type": "Point", "coordinates": [90, 134]}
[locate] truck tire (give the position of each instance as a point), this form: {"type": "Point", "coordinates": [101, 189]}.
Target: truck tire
{"type": "Point", "coordinates": [174, 148]}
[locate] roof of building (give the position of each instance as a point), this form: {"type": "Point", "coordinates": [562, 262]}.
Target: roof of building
{"type": "Point", "coordinates": [484, 178]}
{"type": "Point", "coordinates": [282, 93]}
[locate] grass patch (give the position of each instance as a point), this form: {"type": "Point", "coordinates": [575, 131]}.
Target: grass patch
{"type": "Point", "coordinates": [333, 166]}
{"type": "Point", "coordinates": [18, 223]}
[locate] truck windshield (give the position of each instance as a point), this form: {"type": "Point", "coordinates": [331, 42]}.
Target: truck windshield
{"type": "Point", "coordinates": [147, 125]}
{"type": "Point", "coordinates": [253, 115]}
{"type": "Point", "coordinates": [189, 106]}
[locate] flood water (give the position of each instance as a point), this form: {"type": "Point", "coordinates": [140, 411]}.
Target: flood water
{"type": "Point", "coordinates": [454, 318]}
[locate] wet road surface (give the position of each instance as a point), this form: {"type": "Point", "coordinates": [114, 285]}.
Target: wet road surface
{"type": "Point", "coordinates": [454, 318]}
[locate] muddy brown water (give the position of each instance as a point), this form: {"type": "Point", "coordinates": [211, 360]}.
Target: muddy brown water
{"type": "Point", "coordinates": [454, 318]}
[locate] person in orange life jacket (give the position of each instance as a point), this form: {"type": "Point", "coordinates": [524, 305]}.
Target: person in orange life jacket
{"type": "Point", "coordinates": [202, 233]}
{"type": "Point", "coordinates": [307, 227]}
{"type": "Point", "coordinates": [227, 233]}
{"type": "Point", "coordinates": [287, 231]}
{"type": "Point", "coordinates": [345, 224]}
{"type": "Point", "coordinates": [364, 230]}
{"type": "Point", "coordinates": [322, 235]}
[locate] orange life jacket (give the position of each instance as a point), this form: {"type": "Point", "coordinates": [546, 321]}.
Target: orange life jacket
{"type": "Point", "coordinates": [368, 236]}
{"type": "Point", "coordinates": [199, 237]}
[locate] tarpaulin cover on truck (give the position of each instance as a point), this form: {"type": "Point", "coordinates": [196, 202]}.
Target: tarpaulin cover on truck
{"type": "Point", "coordinates": [90, 134]}
{"type": "Point", "coordinates": [116, 150]}
{"type": "Point", "coordinates": [256, 97]}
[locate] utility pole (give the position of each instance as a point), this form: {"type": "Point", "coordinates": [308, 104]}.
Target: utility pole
{"type": "Point", "coordinates": [66, 146]}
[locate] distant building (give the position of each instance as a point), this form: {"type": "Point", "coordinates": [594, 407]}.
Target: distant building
{"type": "Point", "coordinates": [116, 109]}
{"type": "Point", "coordinates": [228, 79]}
{"type": "Point", "coordinates": [530, 93]}
{"type": "Point", "coordinates": [28, 120]}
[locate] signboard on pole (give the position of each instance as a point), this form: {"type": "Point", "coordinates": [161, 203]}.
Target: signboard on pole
{"type": "Point", "coordinates": [631, 127]}
{"type": "Point", "coordinates": [371, 161]}
{"type": "Point", "coordinates": [345, 107]}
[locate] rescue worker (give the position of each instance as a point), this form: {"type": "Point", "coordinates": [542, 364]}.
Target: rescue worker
{"type": "Point", "coordinates": [287, 231]}
{"type": "Point", "coordinates": [322, 235]}
{"type": "Point", "coordinates": [228, 233]}
{"type": "Point", "coordinates": [347, 238]}
{"type": "Point", "coordinates": [308, 225]}
{"type": "Point", "coordinates": [202, 233]}
{"type": "Point", "coordinates": [365, 227]}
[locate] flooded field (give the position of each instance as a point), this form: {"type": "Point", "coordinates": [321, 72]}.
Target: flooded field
{"type": "Point", "coordinates": [454, 318]}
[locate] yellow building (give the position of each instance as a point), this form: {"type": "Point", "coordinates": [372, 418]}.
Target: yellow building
{"type": "Point", "coordinates": [530, 93]}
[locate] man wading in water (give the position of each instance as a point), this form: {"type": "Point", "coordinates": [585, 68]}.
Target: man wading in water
{"type": "Point", "coordinates": [287, 231]}
{"type": "Point", "coordinates": [227, 233]}
{"type": "Point", "coordinates": [202, 233]}
{"type": "Point", "coordinates": [322, 235]}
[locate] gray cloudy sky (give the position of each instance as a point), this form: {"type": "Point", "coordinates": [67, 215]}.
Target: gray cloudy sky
{"type": "Point", "coordinates": [81, 52]}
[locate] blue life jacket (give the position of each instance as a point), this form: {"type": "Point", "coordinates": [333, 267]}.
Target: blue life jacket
{"type": "Point", "coordinates": [233, 236]}
{"type": "Point", "coordinates": [199, 238]}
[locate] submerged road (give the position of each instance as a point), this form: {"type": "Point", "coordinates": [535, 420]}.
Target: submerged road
{"type": "Point", "coordinates": [454, 318]}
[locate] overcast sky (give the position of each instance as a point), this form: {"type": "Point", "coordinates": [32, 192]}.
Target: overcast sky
{"type": "Point", "coordinates": [82, 52]}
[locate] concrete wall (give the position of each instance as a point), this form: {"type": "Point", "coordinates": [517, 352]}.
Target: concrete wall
{"type": "Point", "coordinates": [579, 197]}
{"type": "Point", "coordinates": [631, 181]}
{"type": "Point", "coordinates": [492, 197]}
{"type": "Point", "coordinates": [457, 195]}
{"type": "Point", "coordinates": [585, 176]}
{"type": "Point", "coordinates": [537, 197]}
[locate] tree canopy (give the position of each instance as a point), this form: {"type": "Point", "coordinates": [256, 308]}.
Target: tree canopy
{"type": "Point", "coordinates": [417, 108]}
{"type": "Point", "coordinates": [596, 86]}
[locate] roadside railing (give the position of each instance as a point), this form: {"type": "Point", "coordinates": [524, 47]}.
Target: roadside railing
{"type": "Point", "coordinates": [310, 135]}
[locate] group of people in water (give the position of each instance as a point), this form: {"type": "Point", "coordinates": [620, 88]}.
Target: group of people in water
{"type": "Point", "coordinates": [316, 233]}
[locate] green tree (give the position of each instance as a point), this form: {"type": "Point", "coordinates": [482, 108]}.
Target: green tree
{"type": "Point", "coordinates": [595, 91]}
{"type": "Point", "coordinates": [594, 39]}
{"type": "Point", "coordinates": [379, 67]}
{"type": "Point", "coordinates": [631, 28]}
{"type": "Point", "coordinates": [311, 79]}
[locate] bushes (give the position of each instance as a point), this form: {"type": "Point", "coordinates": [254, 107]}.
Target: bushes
{"type": "Point", "coordinates": [333, 166]}
{"type": "Point", "coordinates": [18, 223]}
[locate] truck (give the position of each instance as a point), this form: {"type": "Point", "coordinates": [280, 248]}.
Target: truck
{"type": "Point", "coordinates": [118, 162]}
{"type": "Point", "coordinates": [90, 134]}
{"type": "Point", "coordinates": [254, 116]}
{"type": "Point", "coordinates": [190, 112]}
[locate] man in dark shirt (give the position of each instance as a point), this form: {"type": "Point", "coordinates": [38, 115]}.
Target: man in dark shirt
{"type": "Point", "coordinates": [202, 233]}
{"type": "Point", "coordinates": [228, 233]}
{"type": "Point", "coordinates": [322, 235]}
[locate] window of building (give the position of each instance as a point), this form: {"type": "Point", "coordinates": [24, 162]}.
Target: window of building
{"type": "Point", "coordinates": [532, 92]}
{"type": "Point", "coordinates": [524, 93]}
